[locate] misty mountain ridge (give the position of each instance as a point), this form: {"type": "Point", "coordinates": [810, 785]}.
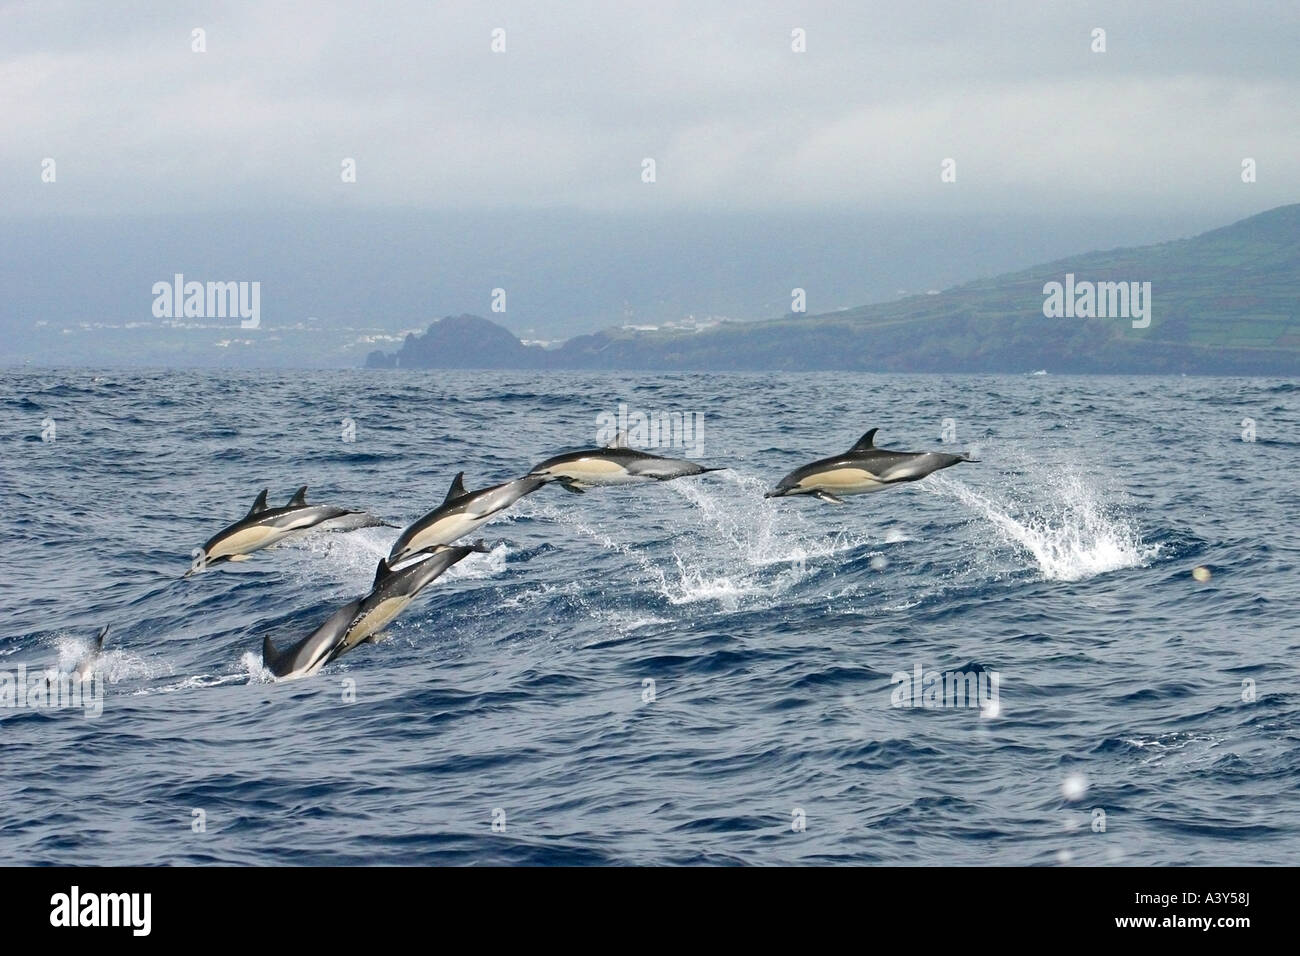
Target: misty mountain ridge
{"type": "Point", "coordinates": [1223, 302]}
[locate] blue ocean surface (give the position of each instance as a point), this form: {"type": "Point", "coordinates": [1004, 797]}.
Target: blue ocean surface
{"type": "Point", "coordinates": [673, 673]}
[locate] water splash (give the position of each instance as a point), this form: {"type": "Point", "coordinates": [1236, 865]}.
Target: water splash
{"type": "Point", "coordinates": [113, 664]}
{"type": "Point", "coordinates": [1062, 525]}
{"type": "Point", "coordinates": [251, 664]}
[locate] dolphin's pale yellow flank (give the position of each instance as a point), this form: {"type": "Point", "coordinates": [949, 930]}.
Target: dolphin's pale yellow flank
{"type": "Point", "coordinates": [447, 529]}
{"type": "Point", "coordinates": [592, 470]}
{"type": "Point", "coordinates": [253, 538]}
{"type": "Point", "coordinates": [842, 481]}
{"type": "Point", "coordinates": [375, 621]}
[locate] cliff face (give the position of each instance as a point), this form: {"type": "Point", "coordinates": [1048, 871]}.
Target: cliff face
{"type": "Point", "coordinates": [461, 341]}
{"type": "Point", "coordinates": [1224, 302]}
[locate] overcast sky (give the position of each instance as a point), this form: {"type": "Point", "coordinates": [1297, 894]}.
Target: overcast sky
{"type": "Point", "coordinates": [523, 169]}
{"type": "Point", "coordinates": [734, 119]}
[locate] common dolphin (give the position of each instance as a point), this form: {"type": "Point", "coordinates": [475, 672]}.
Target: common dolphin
{"type": "Point", "coordinates": [395, 588]}
{"type": "Point", "coordinates": [461, 512]}
{"type": "Point", "coordinates": [310, 654]}
{"type": "Point", "coordinates": [615, 464]}
{"type": "Point", "coordinates": [86, 666]}
{"type": "Point", "coordinates": [264, 526]}
{"type": "Point", "coordinates": [861, 469]}
{"type": "Point", "coordinates": [360, 620]}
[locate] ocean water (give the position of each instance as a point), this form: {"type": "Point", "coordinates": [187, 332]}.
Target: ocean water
{"type": "Point", "coordinates": [1141, 716]}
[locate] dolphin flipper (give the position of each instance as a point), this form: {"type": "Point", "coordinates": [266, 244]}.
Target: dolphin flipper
{"type": "Point", "coordinates": [828, 497]}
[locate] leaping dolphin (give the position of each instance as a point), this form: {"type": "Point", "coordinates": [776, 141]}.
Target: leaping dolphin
{"type": "Point", "coordinates": [861, 469]}
{"type": "Point", "coordinates": [395, 588]}
{"type": "Point", "coordinates": [615, 464]}
{"type": "Point", "coordinates": [311, 653]}
{"type": "Point", "coordinates": [359, 621]}
{"type": "Point", "coordinates": [87, 665]}
{"type": "Point", "coordinates": [264, 526]}
{"type": "Point", "coordinates": [461, 512]}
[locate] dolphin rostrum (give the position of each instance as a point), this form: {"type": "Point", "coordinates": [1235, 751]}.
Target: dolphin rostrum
{"type": "Point", "coordinates": [615, 464]}
{"type": "Point", "coordinates": [359, 621]}
{"type": "Point", "coordinates": [461, 512]}
{"type": "Point", "coordinates": [264, 526]}
{"type": "Point", "coordinates": [861, 469]}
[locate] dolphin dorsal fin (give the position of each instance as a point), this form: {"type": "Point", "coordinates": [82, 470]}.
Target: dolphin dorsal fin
{"type": "Point", "coordinates": [259, 503]}
{"type": "Point", "coordinates": [620, 440]}
{"type": "Point", "coordinates": [382, 571]}
{"type": "Point", "coordinates": [299, 497]}
{"type": "Point", "coordinates": [457, 489]}
{"type": "Point", "coordinates": [866, 442]}
{"type": "Point", "coordinates": [272, 659]}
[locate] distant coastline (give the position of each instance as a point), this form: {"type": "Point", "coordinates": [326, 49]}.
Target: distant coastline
{"type": "Point", "coordinates": [1226, 302]}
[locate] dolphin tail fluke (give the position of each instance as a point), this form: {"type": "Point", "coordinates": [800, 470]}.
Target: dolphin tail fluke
{"type": "Point", "coordinates": [480, 546]}
{"type": "Point", "coordinates": [99, 640]}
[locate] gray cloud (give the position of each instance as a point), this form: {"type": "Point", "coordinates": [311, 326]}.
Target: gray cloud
{"type": "Point", "coordinates": [138, 123]}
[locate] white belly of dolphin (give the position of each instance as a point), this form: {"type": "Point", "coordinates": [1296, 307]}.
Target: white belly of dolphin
{"type": "Point", "coordinates": [446, 530]}
{"type": "Point", "coordinates": [248, 540]}
{"type": "Point", "coordinates": [843, 481]}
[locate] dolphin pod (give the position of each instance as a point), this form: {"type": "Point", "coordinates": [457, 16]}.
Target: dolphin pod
{"type": "Point", "coordinates": [425, 549]}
